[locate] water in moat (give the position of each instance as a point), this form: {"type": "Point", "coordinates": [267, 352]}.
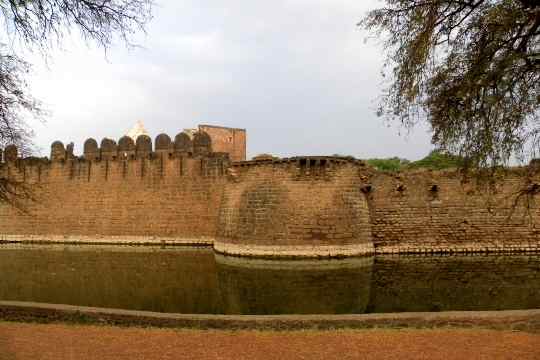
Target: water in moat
{"type": "Point", "coordinates": [198, 281]}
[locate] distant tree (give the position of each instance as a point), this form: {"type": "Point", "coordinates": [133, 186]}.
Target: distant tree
{"type": "Point", "coordinates": [438, 160]}
{"type": "Point", "coordinates": [389, 164]}
{"type": "Point", "coordinates": [265, 157]}
{"type": "Point", "coordinates": [40, 25]}
{"type": "Point", "coordinates": [14, 100]}
{"type": "Point", "coordinates": [470, 67]}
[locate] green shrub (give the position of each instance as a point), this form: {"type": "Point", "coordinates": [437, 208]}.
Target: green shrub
{"type": "Point", "coordinates": [390, 164]}
{"type": "Point", "coordinates": [437, 160]}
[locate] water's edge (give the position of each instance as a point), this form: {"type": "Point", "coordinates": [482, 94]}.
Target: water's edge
{"type": "Point", "coordinates": [522, 320]}
{"type": "Point", "coordinates": [269, 252]}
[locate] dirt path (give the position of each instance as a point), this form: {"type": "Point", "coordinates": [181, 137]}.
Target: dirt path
{"type": "Point", "coordinates": [33, 341]}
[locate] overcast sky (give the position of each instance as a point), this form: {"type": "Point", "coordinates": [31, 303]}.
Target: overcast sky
{"type": "Point", "coordinates": [297, 74]}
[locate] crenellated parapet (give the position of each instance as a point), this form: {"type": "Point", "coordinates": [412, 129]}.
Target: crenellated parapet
{"type": "Point", "coordinates": [10, 153]}
{"type": "Point", "coordinates": [142, 148]}
{"type": "Point", "coordinates": [188, 154]}
{"type": "Point", "coordinates": [299, 167]}
{"type": "Point", "coordinates": [198, 145]}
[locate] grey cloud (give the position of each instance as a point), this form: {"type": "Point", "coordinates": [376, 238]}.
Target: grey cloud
{"type": "Point", "coordinates": [296, 74]}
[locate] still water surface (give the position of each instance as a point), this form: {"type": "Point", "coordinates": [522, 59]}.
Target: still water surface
{"type": "Point", "coordinates": [196, 280]}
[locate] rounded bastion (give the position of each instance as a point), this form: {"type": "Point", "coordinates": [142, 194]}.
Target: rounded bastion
{"type": "Point", "coordinates": [299, 207]}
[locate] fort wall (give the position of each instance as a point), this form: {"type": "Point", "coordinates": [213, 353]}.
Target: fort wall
{"type": "Point", "coordinates": [308, 206]}
{"type": "Point", "coordinates": [429, 211]}
{"type": "Point", "coordinates": [125, 193]}
{"type": "Point", "coordinates": [229, 140]}
{"type": "Point", "coordinates": [183, 191]}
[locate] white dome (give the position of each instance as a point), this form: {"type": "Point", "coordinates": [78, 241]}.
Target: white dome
{"type": "Point", "coordinates": [137, 131]}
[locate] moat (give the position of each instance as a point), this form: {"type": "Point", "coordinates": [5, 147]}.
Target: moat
{"type": "Point", "coordinates": [198, 281]}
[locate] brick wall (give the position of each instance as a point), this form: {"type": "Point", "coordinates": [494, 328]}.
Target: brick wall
{"type": "Point", "coordinates": [228, 140]}
{"type": "Point", "coordinates": [443, 211]}
{"type": "Point", "coordinates": [161, 196]}
{"type": "Point", "coordinates": [299, 207]}
{"type": "Point", "coordinates": [307, 206]}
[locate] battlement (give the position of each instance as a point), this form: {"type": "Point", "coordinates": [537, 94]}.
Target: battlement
{"type": "Point", "coordinates": [197, 145]}
{"type": "Point", "coordinates": [206, 141]}
{"type": "Point", "coordinates": [189, 155]}
{"type": "Point", "coordinates": [198, 189]}
{"type": "Point", "coordinates": [298, 167]}
{"type": "Point", "coordinates": [302, 161]}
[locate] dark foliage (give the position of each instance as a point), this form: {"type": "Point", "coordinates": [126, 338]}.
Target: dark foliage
{"type": "Point", "coordinates": [42, 24]}
{"type": "Point", "coordinates": [436, 160]}
{"type": "Point", "coordinates": [15, 102]}
{"type": "Point", "coordinates": [389, 164]}
{"type": "Point", "coordinates": [471, 67]}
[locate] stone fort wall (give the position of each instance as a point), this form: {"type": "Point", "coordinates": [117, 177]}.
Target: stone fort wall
{"type": "Point", "coordinates": [123, 192]}
{"type": "Point", "coordinates": [447, 212]}
{"type": "Point", "coordinates": [309, 206]}
{"type": "Point", "coordinates": [182, 191]}
{"type": "Point", "coordinates": [229, 140]}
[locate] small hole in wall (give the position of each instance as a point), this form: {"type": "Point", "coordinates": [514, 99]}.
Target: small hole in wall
{"type": "Point", "coordinates": [434, 188]}
{"type": "Point", "coordinates": [534, 188]}
{"type": "Point", "coordinates": [400, 188]}
{"type": "Point", "coordinates": [366, 189]}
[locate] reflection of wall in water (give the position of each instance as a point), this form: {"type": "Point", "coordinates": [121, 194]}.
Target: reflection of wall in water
{"type": "Point", "coordinates": [434, 283]}
{"type": "Point", "coordinates": [255, 286]}
{"type": "Point", "coordinates": [136, 278]}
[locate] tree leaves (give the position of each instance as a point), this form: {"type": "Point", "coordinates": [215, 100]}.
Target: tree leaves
{"type": "Point", "coordinates": [470, 68]}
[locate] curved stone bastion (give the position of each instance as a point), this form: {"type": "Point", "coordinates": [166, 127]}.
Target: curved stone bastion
{"type": "Point", "coordinates": [297, 207]}
{"type": "Point", "coordinates": [184, 190]}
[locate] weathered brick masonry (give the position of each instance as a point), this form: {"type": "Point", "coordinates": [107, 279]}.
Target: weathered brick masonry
{"type": "Point", "coordinates": [127, 193]}
{"type": "Point", "coordinates": [300, 206]}
{"type": "Point", "coordinates": [184, 192]}
{"type": "Point", "coordinates": [445, 211]}
{"type": "Point", "coordinates": [228, 140]}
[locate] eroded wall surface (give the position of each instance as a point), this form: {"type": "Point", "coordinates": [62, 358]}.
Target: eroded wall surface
{"type": "Point", "coordinates": [294, 207]}
{"type": "Point", "coordinates": [133, 197]}
{"type": "Point", "coordinates": [184, 192]}
{"type": "Point", "coordinates": [229, 140]}
{"type": "Point", "coordinates": [428, 211]}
